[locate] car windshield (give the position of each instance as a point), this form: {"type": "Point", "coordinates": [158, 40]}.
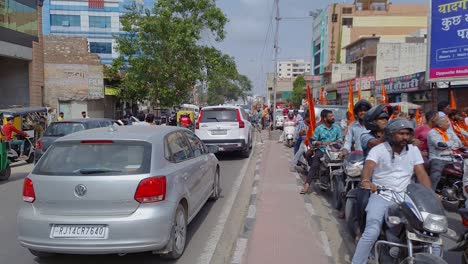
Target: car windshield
{"type": "Point", "coordinates": [219, 115]}
{"type": "Point", "coordinates": [63, 128]}
{"type": "Point", "coordinates": [108, 158]}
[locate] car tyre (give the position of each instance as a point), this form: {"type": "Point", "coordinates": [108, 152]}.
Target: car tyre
{"type": "Point", "coordinates": [5, 174]}
{"type": "Point", "coordinates": [178, 238]}
{"type": "Point", "coordinates": [216, 187]}
{"type": "Point", "coordinates": [246, 152]}
{"type": "Point", "coordinates": [42, 254]}
{"type": "Point", "coordinates": [30, 159]}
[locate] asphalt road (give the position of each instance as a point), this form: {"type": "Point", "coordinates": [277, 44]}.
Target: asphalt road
{"type": "Point", "coordinates": [200, 230]}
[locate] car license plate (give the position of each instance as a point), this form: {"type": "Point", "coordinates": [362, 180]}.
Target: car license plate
{"type": "Point", "coordinates": [79, 231]}
{"type": "Point", "coordinates": [219, 132]}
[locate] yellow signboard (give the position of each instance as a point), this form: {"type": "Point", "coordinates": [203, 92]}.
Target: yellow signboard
{"type": "Point", "coordinates": [111, 91]}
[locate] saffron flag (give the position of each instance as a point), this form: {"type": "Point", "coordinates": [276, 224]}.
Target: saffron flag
{"type": "Point", "coordinates": [384, 95]}
{"type": "Point", "coordinates": [453, 104]}
{"type": "Point", "coordinates": [359, 93]}
{"type": "Point", "coordinates": [418, 118]}
{"type": "Point", "coordinates": [310, 132]}
{"type": "Point", "coordinates": [323, 98]}
{"type": "Point", "coordinates": [350, 104]}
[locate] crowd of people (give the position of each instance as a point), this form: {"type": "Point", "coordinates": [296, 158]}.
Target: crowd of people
{"type": "Point", "coordinates": [396, 148]}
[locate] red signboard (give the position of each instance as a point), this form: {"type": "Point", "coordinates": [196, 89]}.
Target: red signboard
{"type": "Point", "coordinates": [96, 3]}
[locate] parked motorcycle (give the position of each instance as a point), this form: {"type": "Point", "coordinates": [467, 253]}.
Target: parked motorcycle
{"type": "Point", "coordinates": [412, 227]}
{"type": "Point", "coordinates": [462, 243]}
{"type": "Point", "coordinates": [451, 183]}
{"type": "Point", "coordinates": [288, 130]}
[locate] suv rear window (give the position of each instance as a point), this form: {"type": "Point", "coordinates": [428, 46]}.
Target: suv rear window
{"type": "Point", "coordinates": [219, 115]}
{"type": "Point", "coordinates": [95, 158]}
{"type": "Point", "coordinates": [63, 128]}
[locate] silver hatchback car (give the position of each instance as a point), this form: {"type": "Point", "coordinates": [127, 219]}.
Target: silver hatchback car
{"type": "Point", "coordinates": [117, 190]}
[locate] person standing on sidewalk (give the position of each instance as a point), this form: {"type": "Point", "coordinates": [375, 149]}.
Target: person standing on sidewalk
{"type": "Point", "coordinates": [328, 132]}
{"type": "Point", "coordinates": [390, 165]}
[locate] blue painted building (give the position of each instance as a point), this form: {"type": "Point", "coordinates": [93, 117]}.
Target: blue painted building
{"type": "Point", "coordinates": [96, 20]}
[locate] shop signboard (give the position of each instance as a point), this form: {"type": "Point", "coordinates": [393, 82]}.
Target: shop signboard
{"type": "Point", "coordinates": [448, 41]}
{"type": "Point", "coordinates": [365, 82]}
{"type": "Point", "coordinates": [402, 84]}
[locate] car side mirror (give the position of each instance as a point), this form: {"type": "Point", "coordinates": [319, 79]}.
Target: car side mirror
{"type": "Point", "coordinates": [213, 149]}
{"type": "Point", "coordinates": [442, 145]}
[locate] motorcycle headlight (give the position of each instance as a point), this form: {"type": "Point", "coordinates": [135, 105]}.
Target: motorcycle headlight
{"type": "Point", "coordinates": [435, 223]}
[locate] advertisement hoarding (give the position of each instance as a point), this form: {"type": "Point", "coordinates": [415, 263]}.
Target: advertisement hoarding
{"type": "Point", "coordinates": [448, 41]}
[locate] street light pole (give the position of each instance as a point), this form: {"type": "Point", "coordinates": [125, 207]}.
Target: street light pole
{"type": "Point", "coordinates": [275, 77]}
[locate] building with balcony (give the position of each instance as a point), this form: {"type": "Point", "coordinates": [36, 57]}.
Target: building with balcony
{"type": "Point", "coordinates": [339, 25]}
{"type": "Point", "coordinates": [21, 65]}
{"type": "Point", "coordinates": [96, 20]}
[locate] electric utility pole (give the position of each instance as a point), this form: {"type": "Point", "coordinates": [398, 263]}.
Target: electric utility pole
{"type": "Point", "coordinates": [275, 78]}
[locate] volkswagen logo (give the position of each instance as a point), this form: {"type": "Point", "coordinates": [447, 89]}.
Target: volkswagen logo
{"type": "Point", "coordinates": [80, 190]}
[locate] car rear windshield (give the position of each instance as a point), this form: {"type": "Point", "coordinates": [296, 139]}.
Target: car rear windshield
{"type": "Point", "coordinates": [90, 158]}
{"type": "Point", "coordinates": [219, 115]}
{"type": "Point", "coordinates": [63, 128]}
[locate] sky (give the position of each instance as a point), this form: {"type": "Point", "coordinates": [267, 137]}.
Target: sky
{"type": "Point", "coordinates": [250, 33]}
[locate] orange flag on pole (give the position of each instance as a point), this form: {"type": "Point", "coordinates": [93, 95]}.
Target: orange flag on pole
{"type": "Point", "coordinates": [323, 99]}
{"type": "Point", "coordinates": [384, 95]}
{"type": "Point", "coordinates": [418, 118]}
{"type": "Point", "coordinates": [310, 132]}
{"type": "Point", "coordinates": [359, 93]}
{"type": "Point", "coordinates": [350, 104]}
{"type": "Point", "coordinates": [453, 104]}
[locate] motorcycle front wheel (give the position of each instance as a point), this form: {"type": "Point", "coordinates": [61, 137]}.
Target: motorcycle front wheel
{"type": "Point", "coordinates": [337, 190]}
{"type": "Point", "coordinates": [424, 258]}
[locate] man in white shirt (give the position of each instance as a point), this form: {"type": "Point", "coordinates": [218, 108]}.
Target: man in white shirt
{"type": "Point", "coordinates": [391, 165]}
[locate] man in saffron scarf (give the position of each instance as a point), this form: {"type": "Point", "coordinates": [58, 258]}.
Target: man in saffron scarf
{"type": "Point", "coordinates": [459, 126]}
{"type": "Point", "coordinates": [442, 142]}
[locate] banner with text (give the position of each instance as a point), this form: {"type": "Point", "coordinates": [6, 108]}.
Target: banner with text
{"type": "Point", "coordinates": [402, 84]}
{"type": "Point", "coordinates": [448, 54]}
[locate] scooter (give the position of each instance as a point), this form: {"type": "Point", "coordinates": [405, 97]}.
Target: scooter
{"type": "Point", "coordinates": [13, 152]}
{"type": "Point", "coordinates": [288, 130]}
{"type": "Point", "coordinates": [462, 243]}
{"type": "Point", "coordinates": [412, 227]}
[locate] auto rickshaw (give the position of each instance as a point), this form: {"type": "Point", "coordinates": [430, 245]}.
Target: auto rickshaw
{"type": "Point", "coordinates": [32, 121]}
{"type": "Point", "coordinates": [5, 169]}
{"type": "Point", "coordinates": [190, 114]}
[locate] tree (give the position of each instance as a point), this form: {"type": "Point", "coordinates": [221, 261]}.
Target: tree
{"type": "Point", "coordinates": [163, 51]}
{"type": "Point", "coordinates": [298, 91]}
{"type": "Point", "coordinates": [245, 86]}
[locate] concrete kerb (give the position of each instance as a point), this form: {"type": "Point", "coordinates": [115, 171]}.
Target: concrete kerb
{"type": "Point", "coordinates": [225, 246]}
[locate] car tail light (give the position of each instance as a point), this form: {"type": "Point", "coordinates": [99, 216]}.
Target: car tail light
{"type": "Point", "coordinates": [151, 190]}
{"type": "Point", "coordinates": [29, 195]}
{"type": "Point", "coordinates": [239, 119]}
{"type": "Point", "coordinates": [464, 221]}
{"type": "Point", "coordinates": [39, 144]}
{"type": "Point", "coordinates": [197, 124]}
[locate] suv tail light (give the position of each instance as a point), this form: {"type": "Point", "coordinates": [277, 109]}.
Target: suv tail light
{"type": "Point", "coordinates": [239, 119]}
{"type": "Point", "coordinates": [197, 124]}
{"type": "Point", "coordinates": [39, 144]}
{"type": "Point", "coordinates": [151, 190]}
{"type": "Point", "coordinates": [29, 195]}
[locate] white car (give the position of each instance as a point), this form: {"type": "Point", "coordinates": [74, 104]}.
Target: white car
{"type": "Point", "coordinates": [227, 127]}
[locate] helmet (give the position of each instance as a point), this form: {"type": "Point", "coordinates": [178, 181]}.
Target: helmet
{"type": "Point", "coordinates": [290, 114]}
{"type": "Point", "coordinates": [362, 104]}
{"type": "Point", "coordinates": [379, 111]}
{"type": "Point", "coordinates": [396, 125]}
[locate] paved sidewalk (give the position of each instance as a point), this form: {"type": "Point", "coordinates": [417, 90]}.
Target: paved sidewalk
{"type": "Point", "coordinates": [283, 231]}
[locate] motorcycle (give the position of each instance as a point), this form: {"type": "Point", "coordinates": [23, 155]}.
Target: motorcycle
{"type": "Point", "coordinates": [462, 243]}
{"type": "Point", "coordinates": [288, 130]}
{"type": "Point", "coordinates": [352, 168]}
{"type": "Point", "coordinates": [412, 227]}
{"type": "Point", "coordinates": [450, 185]}
{"type": "Point", "coordinates": [330, 172]}
{"type": "Point", "coordinates": [13, 152]}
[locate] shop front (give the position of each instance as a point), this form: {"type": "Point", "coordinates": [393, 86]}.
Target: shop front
{"type": "Point", "coordinates": [343, 89]}
{"type": "Point", "coordinates": [410, 88]}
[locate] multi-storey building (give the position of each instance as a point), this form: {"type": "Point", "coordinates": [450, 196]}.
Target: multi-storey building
{"type": "Point", "coordinates": [339, 25]}
{"type": "Point", "coordinates": [292, 68]}
{"type": "Point", "coordinates": [21, 71]}
{"type": "Point", "coordinates": [96, 20]}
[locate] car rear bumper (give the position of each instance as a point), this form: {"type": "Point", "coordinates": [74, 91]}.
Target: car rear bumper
{"type": "Point", "coordinates": [147, 229]}
{"type": "Point", "coordinates": [227, 145]}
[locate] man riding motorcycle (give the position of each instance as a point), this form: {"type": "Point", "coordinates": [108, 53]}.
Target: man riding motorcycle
{"type": "Point", "coordinates": [390, 165]}
{"type": "Point", "coordinates": [328, 132]}
{"type": "Point", "coordinates": [8, 130]}
{"type": "Point", "coordinates": [357, 128]}
{"type": "Point", "coordinates": [375, 121]}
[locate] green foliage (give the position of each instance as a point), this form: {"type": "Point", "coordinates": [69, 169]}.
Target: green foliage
{"type": "Point", "coordinates": [163, 50]}
{"type": "Point", "coordinates": [298, 91]}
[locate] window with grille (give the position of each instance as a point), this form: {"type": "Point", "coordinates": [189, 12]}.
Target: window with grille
{"type": "Point", "coordinates": [347, 21]}
{"type": "Point", "coordinates": [347, 10]}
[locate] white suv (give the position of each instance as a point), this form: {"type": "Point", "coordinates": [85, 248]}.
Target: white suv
{"type": "Point", "coordinates": [227, 127]}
